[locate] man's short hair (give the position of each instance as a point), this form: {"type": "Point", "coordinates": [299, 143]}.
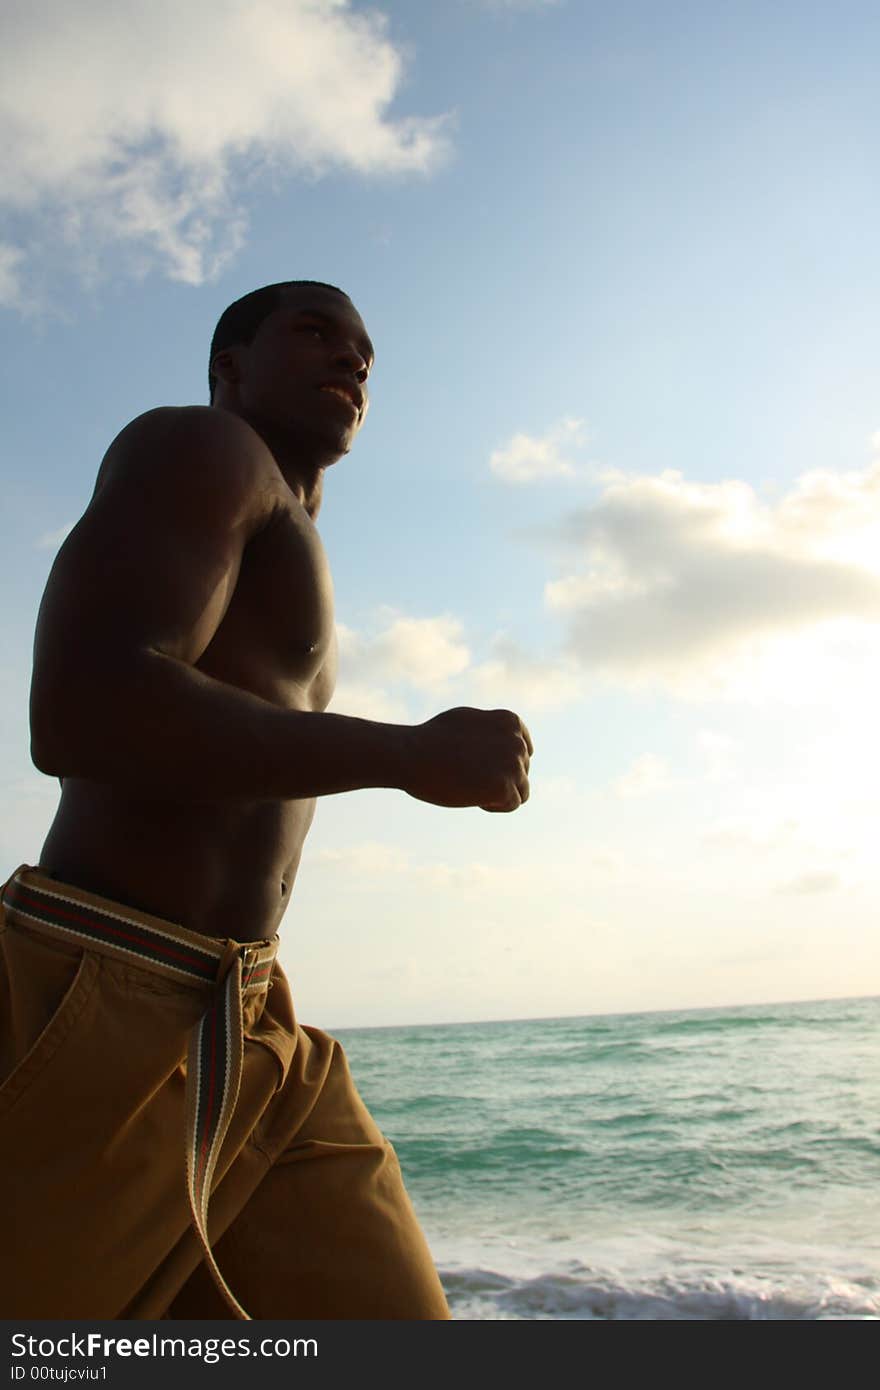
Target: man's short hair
{"type": "Point", "coordinates": [239, 323]}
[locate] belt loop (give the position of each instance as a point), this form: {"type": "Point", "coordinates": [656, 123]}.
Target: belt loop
{"type": "Point", "coordinates": [11, 877]}
{"type": "Point", "coordinates": [231, 949]}
{"type": "Point", "coordinates": [249, 957]}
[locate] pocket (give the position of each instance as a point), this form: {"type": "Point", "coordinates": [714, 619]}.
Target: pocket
{"type": "Point", "coordinates": [34, 1059]}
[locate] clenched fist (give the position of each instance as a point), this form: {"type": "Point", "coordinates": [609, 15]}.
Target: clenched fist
{"type": "Point", "coordinates": [470, 757]}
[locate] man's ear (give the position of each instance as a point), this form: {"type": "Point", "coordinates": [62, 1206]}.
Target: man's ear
{"type": "Point", "coordinates": [224, 366]}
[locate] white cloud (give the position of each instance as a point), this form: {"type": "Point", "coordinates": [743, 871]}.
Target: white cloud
{"type": "Point", "coordinates": [364, 701]}
{"type": "Point", "coordinates": [50, 540]}
{"type": "Point", "coordinates": [428, 657]}
{"type": "Point", "coordinates": [517, 4]}
{"type": "Point", "coordinates": [526, 458]}
{"type": "Point", "coordinates": [376, 860]}
{"type": "Point", "coordinates": [719, 752]}
{"type": "Point", "coordinates": [136, 126]}
{"type": "Point", "coordinates": [764, 835]}
{"type": "Point", "coordinates": [512, 678]}
{"type": "Point", "coordinates": [370, 857]}
{"type": "Point", "coordinates": [816, 881]}
{"type": "Point", "coordinates": [609, 861]}
{"type": "Point", "coordinates": [682, 584]}
{"type": "Point", "coordinates": [11, 258]}
{"type": "Point", "coordinates": [646, 774]}
{"type": "Point", "coordinates": [425, 653]}
{"type": "Point", "coordinates": [560, 791]}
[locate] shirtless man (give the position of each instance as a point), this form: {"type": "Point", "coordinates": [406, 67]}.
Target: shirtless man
{"type": "Point", "coordinates": [185, 655]}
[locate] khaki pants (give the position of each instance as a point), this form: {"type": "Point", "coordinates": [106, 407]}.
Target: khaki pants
{"type": "Point", "coordinates": [308, 1215]}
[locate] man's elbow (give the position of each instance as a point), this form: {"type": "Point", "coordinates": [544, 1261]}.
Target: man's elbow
{"type": "Point", "coordinates": [79, 719]}
{"type": "Point", "coordinates": [45, 753]}
{"type": "Point", "coordinates": [50, 738]}
{"type": "Point", "coordinates": [44, 759]}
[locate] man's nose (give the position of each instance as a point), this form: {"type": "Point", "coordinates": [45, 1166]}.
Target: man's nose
{"type": "Point", "coordinates": [349, 356]}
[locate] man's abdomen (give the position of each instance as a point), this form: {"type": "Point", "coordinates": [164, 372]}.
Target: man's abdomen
{"type": "Point", "coordinates": [223, 868]}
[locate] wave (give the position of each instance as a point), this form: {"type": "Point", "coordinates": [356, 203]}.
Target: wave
{"type": "Point", "coordinates": [594, 1295]}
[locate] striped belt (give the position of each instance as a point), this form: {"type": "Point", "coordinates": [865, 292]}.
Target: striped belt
{"type": "Point", "coordinates": [216, 1043]}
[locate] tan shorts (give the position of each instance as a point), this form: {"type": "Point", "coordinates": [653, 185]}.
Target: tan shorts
{"type": "Point", "coordinates": [308, 1215]}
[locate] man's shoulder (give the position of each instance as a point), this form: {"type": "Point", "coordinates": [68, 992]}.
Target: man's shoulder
{"type": "Point", "coordinates": [181, 447]}
{"type": "Point", "coordinates": [182, 426]}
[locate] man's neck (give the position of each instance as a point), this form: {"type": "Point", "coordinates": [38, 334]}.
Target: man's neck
{"type": "Point", "coordinates": [306, 484]}
{"type": "Point", "coordinates": [310, 493]}
{"type": "Point", "coordinates": [303, 475]}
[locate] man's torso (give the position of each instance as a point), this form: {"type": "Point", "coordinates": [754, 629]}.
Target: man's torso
{"type": "Point", "coordinates": [225, 868]}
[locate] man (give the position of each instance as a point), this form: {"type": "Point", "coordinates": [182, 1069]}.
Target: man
{"type": "Point", "coordinates": [185, 655]}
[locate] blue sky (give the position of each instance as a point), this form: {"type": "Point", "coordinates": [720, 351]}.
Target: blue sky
{"type": "Point", "coordinates": [621, 471]}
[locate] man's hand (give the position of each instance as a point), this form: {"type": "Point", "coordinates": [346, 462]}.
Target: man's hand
{"type": "Point", "coordinates": [470, 757]}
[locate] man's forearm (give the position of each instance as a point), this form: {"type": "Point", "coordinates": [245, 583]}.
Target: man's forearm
{"type": "Point", "coordinates": [163, 728]}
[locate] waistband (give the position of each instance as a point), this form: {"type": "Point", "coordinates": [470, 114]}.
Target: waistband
{"type": "Point", "coordinates": [226, 970]}
{"type": "Point", "coordinates": [126, 933]}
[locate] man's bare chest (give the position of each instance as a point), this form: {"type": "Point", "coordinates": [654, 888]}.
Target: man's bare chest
{"type": "Point", "coordinates": [277, 638]}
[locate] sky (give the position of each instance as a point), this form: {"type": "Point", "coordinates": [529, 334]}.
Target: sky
{"type": "Point", "coordinates": [621, 472]}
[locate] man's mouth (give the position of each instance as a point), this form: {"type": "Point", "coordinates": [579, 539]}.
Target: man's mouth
{"type": "Point", "coordinates": [345, 393]}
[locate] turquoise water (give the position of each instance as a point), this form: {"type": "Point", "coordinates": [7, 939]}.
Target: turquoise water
{"type": "Point", "coordinates": [705, 1164]}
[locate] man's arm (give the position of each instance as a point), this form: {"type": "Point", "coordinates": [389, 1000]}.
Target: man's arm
{"type": "Point", "coordinates": [135, 596]}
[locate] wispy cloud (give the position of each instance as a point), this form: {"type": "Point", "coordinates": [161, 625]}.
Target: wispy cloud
{"type": "Point", "coordinates": [429, 658]}
{"type": "Point", "coordinates": [719, 753]}
{"type": "Point", "coordinates": [816, 881]}
{"type": "Point", "coordinates": [516, 4]}
{"type": "Point", "coordinates": [514, 678]}
{"type": "Point", "coordinates": [364, 700]}
{"type": "Point", "coordinates": [135, 127]}
{"type": "Point", "coordinates": [11, 259]}
{"type": "Point", "coordinates": [375, 860]}
{"type": "Point", "coordinates": [671, 581]}
{"type": "Point", "coordinates": [423, 652]}
{"type": "Point", "coordinates": [763, 836]}
{"type": "Point", "coordinates": [526, 458]}
{"type": "Point", "coordinates": [699, 589]}
{"type": "Point", "coordinates": [647, 774]}
{"type": "Point", "coordinates": [50, 540]}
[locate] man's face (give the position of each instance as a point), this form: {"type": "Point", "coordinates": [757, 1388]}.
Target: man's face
{"type": "Point", "coordinates": [306, 370]}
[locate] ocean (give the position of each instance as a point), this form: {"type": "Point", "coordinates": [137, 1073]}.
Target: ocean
{"type": "Point", "coordinates": [704, 1164]}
